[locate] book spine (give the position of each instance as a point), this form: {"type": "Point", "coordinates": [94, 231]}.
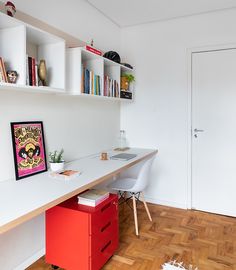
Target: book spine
{"type": "Point", "coordinates": [82, 79]}
{"type": "Point", "coordinates": [1, 76]}
{"type": "Point", "coordinates": [30, 70]}
{"type": "Point", "coordinates": [3, 70]}
{"type": "Point", "coordinates": [36, 74]}
{"type": "Point", "coordinates": [93, 50]}
{"type": "Point", "coordinates": [27, 70]}
{"type": "Point", "coordinates": [86, 81]}
{"type": "Point", "coordinates": [90, 82]}
{"type": "Point", "coordinates": [33, 72]}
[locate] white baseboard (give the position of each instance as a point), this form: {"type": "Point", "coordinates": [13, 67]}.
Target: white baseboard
{"type": "Point", "coordinates": [166, 203]}
{"type": "Point", "coordinates": [31, 260]}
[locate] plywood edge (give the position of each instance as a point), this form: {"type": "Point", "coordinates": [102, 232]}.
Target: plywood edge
{"type": "Point", "coordinates": [40, 210]}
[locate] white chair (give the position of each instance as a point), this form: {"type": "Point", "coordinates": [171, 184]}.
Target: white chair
{"type": "Point", "coordinates": [135, 186]}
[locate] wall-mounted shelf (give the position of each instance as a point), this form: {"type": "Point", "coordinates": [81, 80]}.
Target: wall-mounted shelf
{"type": "Point", "coordinates": [17, 40]}
{"type": "Point", "coordinates": [79, 61]}
{"type": "Point", "coordinates": [30, 89]}
{"type": "Point", "coordinates": [88, 96]}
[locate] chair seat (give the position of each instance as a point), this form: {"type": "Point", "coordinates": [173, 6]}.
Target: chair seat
{"type": "Point", "coordinates": [123, 184]}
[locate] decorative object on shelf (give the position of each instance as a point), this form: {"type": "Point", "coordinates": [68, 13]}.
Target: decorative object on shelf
{"type": "Point", "coordinates": [28, 148]}
{"type": "Point", "coordinates": [127, 81]}
{"type": "Point", "coordinates": [127, 65]}
{"type": "Point", "coordinates": [56, 161]}
{"type": "Point", "coordinates": [12, 76]}
{"type": "Point", "coordinates": [113, 56]}
{"type": "Point", "coordinates": [104, 156]}
{"type": "Point", "coordinates": [10, 8]}
{"type": "Point", "coordinates": [173, 265]}
{"type": "Point", "coordinates": [126, 94]}
{"type": "Point", "coordinates": [42, 72]}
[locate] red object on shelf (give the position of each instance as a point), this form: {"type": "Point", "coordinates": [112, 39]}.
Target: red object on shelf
{"type": "Point", "coordinates": [93, 50]}
{"type": "Point", "coordinates": [80, 237]}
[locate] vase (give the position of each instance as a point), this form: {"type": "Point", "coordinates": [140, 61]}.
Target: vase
{"type": "Point", "coordinates": [42, 72]}
{"type": "Point", "coordinates": [57, 167]}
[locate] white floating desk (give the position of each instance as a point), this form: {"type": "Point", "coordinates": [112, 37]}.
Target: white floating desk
{"type": "Point", "coordinates": [24, 199]}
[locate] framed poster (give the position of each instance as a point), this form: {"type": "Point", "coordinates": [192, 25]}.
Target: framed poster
{"type": "Point", "coordinates": [28, 148]}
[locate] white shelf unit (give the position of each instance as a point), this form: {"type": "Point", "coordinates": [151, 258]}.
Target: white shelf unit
{"type": "Point", "coordinates": [77, 58]}
{"type": "Point", "coordinates": [17, 40]}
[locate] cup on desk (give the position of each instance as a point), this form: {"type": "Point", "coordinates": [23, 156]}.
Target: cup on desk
{"type": "Point", "coordinates": [104, 156]}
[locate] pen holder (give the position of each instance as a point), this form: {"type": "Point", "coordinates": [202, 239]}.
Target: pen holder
{"type": "Point", "coordinates": [104, 156]}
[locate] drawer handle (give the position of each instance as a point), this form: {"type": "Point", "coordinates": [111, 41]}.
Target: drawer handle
{"type": "Point", "coordinates": [105, 207]}
{"type": "Point", "coordinates": [106, 226]}
{"type": "Point", "coordinates": [106, 246]}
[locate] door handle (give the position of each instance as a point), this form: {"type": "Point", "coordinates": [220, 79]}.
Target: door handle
{"type": "Point", "coordinates": [198, 130]}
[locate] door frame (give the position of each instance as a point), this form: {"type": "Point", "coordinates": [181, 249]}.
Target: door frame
{"type": "Point", "coordinates": [190, 52]}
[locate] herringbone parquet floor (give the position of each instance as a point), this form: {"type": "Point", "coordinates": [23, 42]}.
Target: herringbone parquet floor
{"type": "Point", "coordinates": [204, 240]}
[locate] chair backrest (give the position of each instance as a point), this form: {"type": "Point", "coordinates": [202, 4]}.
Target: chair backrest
{"type": "Point", "coordinates": [143, 177]}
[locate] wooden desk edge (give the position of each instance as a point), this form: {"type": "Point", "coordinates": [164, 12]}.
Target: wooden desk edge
{"type": "Point", "coordinates": [40, 210]}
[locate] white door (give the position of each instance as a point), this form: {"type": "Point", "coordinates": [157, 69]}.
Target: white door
{"type": "Point", "coordinates": [214, 131]}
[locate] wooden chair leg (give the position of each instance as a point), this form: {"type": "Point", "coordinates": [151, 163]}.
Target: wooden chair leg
{"type": "Point", "coordinates": [135, 215]}
{"type": "Point", "coordinates": [146, 207]}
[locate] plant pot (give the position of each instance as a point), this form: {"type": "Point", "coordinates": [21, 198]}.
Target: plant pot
{"type": "Point", "coordinates": [57, 167]}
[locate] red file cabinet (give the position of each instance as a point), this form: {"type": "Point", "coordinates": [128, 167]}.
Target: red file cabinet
{"type": "Point", "coordinates": [81, 237]}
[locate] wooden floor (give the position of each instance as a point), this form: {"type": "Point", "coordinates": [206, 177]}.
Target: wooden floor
{"type": "Point", "coordinates": [205, 240]}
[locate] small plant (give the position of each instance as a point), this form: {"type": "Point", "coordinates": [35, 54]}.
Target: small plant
{"type": "Point", "coordinates": [130, 78]}
{"type": "Point", "coordinates": [56, 157]}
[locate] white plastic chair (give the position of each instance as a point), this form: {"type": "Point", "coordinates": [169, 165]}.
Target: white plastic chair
{"type": "Point", "coordinates": [135, 186]}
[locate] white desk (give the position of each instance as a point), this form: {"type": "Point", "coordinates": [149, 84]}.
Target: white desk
{"type": "Point", "coordinates": [24, 199]}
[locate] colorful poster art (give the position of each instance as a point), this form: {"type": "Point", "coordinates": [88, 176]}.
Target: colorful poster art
{"type": "Point", "coordinates": [28, 148]}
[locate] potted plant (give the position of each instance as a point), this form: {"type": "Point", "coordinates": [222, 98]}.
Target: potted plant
{"type": "Point", "coordinates": [127, 81]}
{"type": "Point", "coordinates": [56, 160]}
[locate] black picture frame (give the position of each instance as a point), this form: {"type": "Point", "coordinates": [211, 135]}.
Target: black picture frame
{"type": "Point", "coordinates": [28, 148]}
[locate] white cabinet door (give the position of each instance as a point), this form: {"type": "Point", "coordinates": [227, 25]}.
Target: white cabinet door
{"type": "Point", "coordinates": [214, 138]}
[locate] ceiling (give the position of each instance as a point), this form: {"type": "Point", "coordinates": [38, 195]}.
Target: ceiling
{"type": "Point", "coordinates": [133, 12]}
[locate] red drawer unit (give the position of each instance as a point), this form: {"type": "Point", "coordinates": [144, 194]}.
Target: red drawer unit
{"type": "Point", "coordinates": [80, 237]}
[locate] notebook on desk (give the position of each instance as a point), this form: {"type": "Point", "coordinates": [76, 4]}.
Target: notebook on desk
{"type": "Point", "coordinates": [123, 156]}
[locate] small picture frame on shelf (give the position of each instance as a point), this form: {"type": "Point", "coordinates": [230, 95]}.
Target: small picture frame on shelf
{"type": "Point", "coordinates": [28, 148]}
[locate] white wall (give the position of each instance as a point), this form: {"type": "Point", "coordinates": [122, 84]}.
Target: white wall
{"type": "Point", "coordinates": [77, 18]}
{"type": "Point", "coordinates": [69, 122]}
{"type": "Point", "coordinates": [158, 118]}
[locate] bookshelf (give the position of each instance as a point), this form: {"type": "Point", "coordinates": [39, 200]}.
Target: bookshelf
{"type": "Point", "coordinates": [109, 72]}
{"type": "Point", "coordinates": [19, 40]}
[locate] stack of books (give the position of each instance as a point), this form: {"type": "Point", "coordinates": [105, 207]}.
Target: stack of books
{"type": "Point", "coordinates": [65, 175]}
{"type": "Point", "coordinates": [31, 71]}
{"type": "Point", "coordinates": [111, 87]}
{"type": "Point", "coordinates": [91, 83]}
{"type": "Point", "coordinates": [3, 74]}
{"type": "Point", "coordinates": [92, 197]}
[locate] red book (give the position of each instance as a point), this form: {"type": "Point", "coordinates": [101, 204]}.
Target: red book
{"type": "Point", "coordinates": [33, 72]}
{"type": "Point", "coordinates": [93, 50]}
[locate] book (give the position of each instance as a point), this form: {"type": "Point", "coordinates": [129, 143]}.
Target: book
{"type": "Point", "coordinates": [36, 74]}
{"type": "Point", "coordinates": [66, 174]}
{"type": "Point", "coordinates": [3, 71]}
{"type": "Point", "coordinates": [33, 72]}
{"type": "Point", "coordinates": [93, 197]}
{"type": "Point", "coordinates": [30, 70]}
{"type": "Point", "coordinates": [93, 50]}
